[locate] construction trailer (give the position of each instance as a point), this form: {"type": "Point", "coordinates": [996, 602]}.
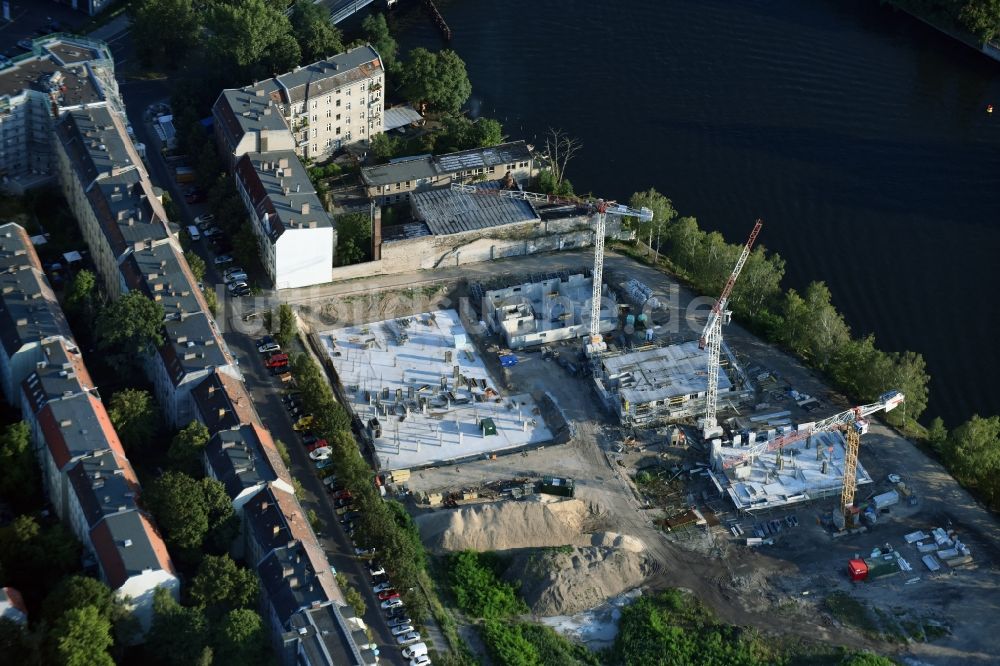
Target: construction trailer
{"type": "Point", "coordinates": [662, 384]}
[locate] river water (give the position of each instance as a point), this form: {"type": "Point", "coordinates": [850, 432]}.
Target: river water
{"type": "Point", "coordinates": [859, 135]}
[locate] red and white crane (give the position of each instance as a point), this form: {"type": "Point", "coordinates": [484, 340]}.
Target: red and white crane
{"type": "Point", "coordinates": [711, 337]}
{"type": "Point", "coordinates": [601, 209]}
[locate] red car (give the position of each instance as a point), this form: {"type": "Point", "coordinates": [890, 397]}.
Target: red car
{"type": "Point", "coordinates": [277, 361]}
{"type": "Point", "coordinates": [195, 196]}
{"type": "Point", "coordinates": [388, 594]}
{"type": "Point", "coordinates": [318, 444]}
{"type": "Point", "coordinates": [342, 494]}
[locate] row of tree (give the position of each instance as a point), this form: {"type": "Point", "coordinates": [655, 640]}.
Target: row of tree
{"type": "Point", "coordinates": [980, 17]}
{"type": "Point", "coordinates": [383, 525]}
{"type": "Point", "coordinates": [805, 323]}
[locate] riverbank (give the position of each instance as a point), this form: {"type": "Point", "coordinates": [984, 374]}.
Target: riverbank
{"type": "Point", "coordinates": [989, 49]}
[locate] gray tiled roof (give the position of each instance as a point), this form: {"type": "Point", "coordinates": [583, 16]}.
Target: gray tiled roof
{"type": "Point", "coordinates": [29, 311]}
{"type": "Point", "coordinates": [97, 144]}
{"type": "Point", "coordinates": [238, 461]}
{"type": "Point", "coordinates": [451, 212]}
{"type": "Point", "coordinates": [402, 170]}
{"type": "Point", "coordinates": [320, 77]}
{"type": "Point", "coordinates": [62, 376]}
{"type": "Point", "coordinates": [290, 579]}
{"type": "Point", "coordinates": [325, 637]}
{"type": "Point", "coordinates": [127, 546]}
{"type": "Point", "coordinates": [192, 342]}
{"type": "Point", "coordinates": [101, 487]}
{"type": "Point", "coordinates": [281, 196]}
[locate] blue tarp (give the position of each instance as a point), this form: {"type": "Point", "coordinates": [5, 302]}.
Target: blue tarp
{"type": "Point", "coordinates": [508, 360]}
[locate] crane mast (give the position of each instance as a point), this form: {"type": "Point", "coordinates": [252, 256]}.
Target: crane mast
{"type": "Point", "coordinates": [854, 421]}
{"type": "Point", "coordinates": [711, 337]}
{"type": "Point", "coordinates": [601, 209]}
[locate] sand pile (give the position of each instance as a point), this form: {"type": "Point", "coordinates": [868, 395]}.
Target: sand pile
{"type": "Point", "coordinates": [536, 522]}
{"type": "Point", "coordinates": [569, 580]}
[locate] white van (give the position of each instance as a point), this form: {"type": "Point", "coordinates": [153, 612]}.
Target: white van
{"type": "Point", "coordinates": [415, 650]}
{"type": "Point", "coordinates": [194, 233]}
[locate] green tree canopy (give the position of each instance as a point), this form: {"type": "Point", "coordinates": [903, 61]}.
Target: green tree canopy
{"type": "Point", "coordinates": [252, 37]}
{"type": "Point", "coordinates": [19, 645]}
{"type": "Point", "coordinates": [196, 264]}
{"type": "Point", "coordinates": [241, 638]}
{"type": "Point", "coordinates": [136, 418]}
{"type": "Point", "coordinates": [316, 36]}
{"type": "Point", "coordinates": [287, 327]}
{"type": "Point", "coordinates": [982, 17]}
{"type": "Point", "coordinates": [973, 454]}
{"type": "Point", "coordinates": [33, 558]}
{"type": "Point", "coordinates": [82, 638]}
{"type": "Point", "coordinates": [81, 296]}
{"type": "Point", "coordinates": [187, 447]}
{"type": "Point", "coordinates": [178, 503]}
{"type": "Point", "coordinates": [178, 635]}
{"type": "Point", "coordinates": [164, 30]}
{"type": "Point", "coordinates": [439, 79]}
{"type": "Point", "coordinates": [354, 238]}
{"type": "Point", "coordinates": [221, 586]}
{"type": "Point", "coordinates": [663, 214]}
{"type": "Point", "coordinates": [19, 482]}
{"type": "Point", "coordinates": [127, 327]}
{"type": "Point", "coordinates": [79, 591]}
{"type": "Point", "coordinates": [376, 31]}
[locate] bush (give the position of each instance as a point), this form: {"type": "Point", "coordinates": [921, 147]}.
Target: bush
{"type": "Point", "coordinates": [477, 588]}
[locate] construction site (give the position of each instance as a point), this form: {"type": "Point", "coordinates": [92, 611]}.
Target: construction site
{"type": "Point", "coordinates": [637, 448]}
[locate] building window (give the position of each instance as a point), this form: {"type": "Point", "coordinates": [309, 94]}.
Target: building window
{"type": "Point", "coordinates": [348, 106]}
{"type": "Point", "coordinates": [338, 102]}
{"type": "Point", "coordinates": [329, 142]}
{"type": "Point", "coordinates": [314, 132]}
{"type": "Point", "coordinates": [315, 148]}
{"type": "Point", "coordinates": [338, 91]}
{"type": "Point", "coordinates": [338, 116]}
{"type": "Point", "coordinates": [397, 187]}
{"type": "Point", "coordinates": [338, 130]}
{"type": "Point", "coordinates": [362, 129]}
{"type": "Point", "coordinates": [329, 113]}
{"type": "Point", "coordinates": [314, 104]}
{"type": "Point", "coordinates": [314, 117]}
{"type": "Point", "coordinates": [362, 115]}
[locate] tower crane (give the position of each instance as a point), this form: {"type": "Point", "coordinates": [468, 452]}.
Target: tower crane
{"type": "Point", "coordinates": [601, 209]}
{"type": "Point", "coordinates": [854, 421]}
{"type": "Point", "coordinates": [711, 337]}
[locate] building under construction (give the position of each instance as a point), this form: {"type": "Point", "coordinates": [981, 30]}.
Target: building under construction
{"type": "Point", "coordinates": [809, 469]}
{"type": "Point", "coordinates": [661, 384]}
{"type": "Point", "coordinates": [557, 308]}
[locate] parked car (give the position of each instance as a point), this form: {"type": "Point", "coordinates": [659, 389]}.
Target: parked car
{"type": "Point", "coordinates": [195, 196]}
{"type": "Point", "coordinates": [388, 594]}
{"type": "Point", "coordinates": [268, 345]}
{"type": "Point", "coordinates": [398, 620]}
{"type": "Point", "coordinates": [421, 660]}
{"type": "Point", "coordinates": [212, 231]}
{"type": "Point", "coordinates": [322, 453]}
{"type": "Point", "coordinates": [343, 501]}
{"type": "Point", "coordinates": [401, 629]}
{"type": "Point", "coordinates": [291, 397]}
{"type": "Point", "coordinates": [393, 603]}
{"type": "Point", "coordinates": [318, 444]}
{"type": "Point", "coordinates": [236, 277]}
{"type": "Point", "coordinates": [276, 360]}
{"type": "Point", "coordinates": [223, 259]}
{"type": "Point", "coordinates": [415, 650]}
{"type": "Point", "coordinates": [408, 637]}
{"type": "Point", "coordinates": [241, 291]}
{"type": "Point", "coordinates": [343, 494]}
{"type": "Point", "coordinates": [376, 570]}
{"type": "Point", "coordinates": [233, 270]}
{"type": "Point", "coordinates": [323, 464]}
{"type": "Point", "coordinates": [203, 221]}
{"type": "Point", "coordinates": [233, 287]}
{"type": "Point", "coordinates": [382, 587]}
{"type": "Point", "coordinates": [309, 438]}
{"type": "Point", "coordinates": [364, 552]}
{"type": "Point", "coordinates": [304, 423]}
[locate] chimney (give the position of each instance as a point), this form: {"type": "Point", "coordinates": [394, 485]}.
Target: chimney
{"type": "Point", "coordinates": [283, 163]}
{"type": "Point", "coordinates": [222, 412]}
{"type": "Point", "coordinates": [277, 528]}
{"type": "Point", "coordinates": [305, 206]}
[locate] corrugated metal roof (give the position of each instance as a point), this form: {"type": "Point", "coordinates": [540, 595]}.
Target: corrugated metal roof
{"type": "Point", "coordinates": [450, 212]}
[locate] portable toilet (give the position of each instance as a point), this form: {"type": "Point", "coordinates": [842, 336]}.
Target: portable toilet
{"type": "Point", "coordinates": [857, 569]}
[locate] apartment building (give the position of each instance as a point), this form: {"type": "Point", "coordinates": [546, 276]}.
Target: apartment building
{"type": "Point", "coordinates": [245, 460]}
{"type": "Point", "coordinates": [327, 634]}
{"type": "Point", "coordinates": [394, 182]}
{"type": "Point", "coordinates": [89, 480]}
{"type": "Point", "coordinates": [60, 73]}
{"type": "Point", "coordinates": [30, 315]}
{"type": "Point", "coordinates": [108, 190]}
{"type": "Point", "coordinates": [296, 236]}
{"type": "Point", "coordinates": [314, 110]}
{"type": "Point", "coordinates": [193, 348]}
